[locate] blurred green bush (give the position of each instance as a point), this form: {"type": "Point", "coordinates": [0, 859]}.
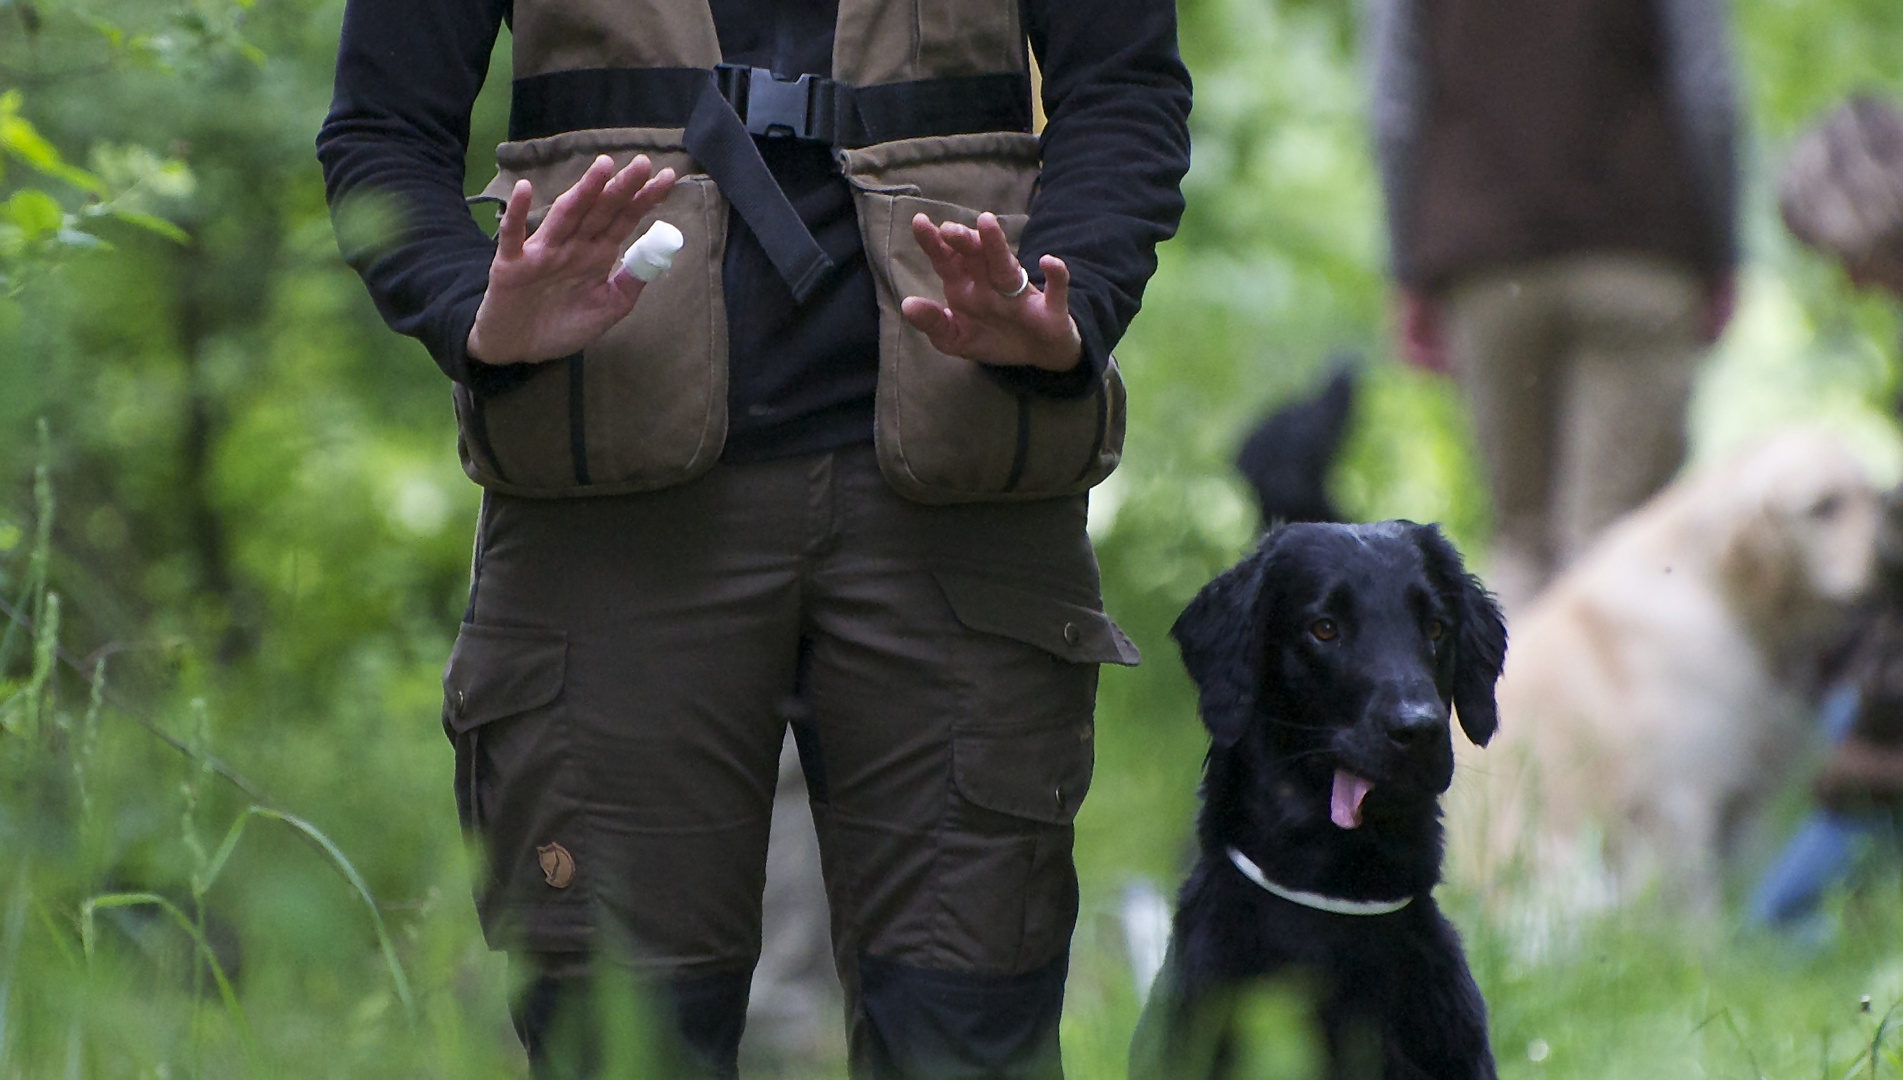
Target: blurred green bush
{"type": "Point", "coordinates": [259, 509]}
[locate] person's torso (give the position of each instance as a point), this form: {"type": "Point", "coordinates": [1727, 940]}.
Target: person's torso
{"type": "Point", "coordinates": [777, 331]}
{"type": "Point", "coordinates": [1548, 131]}
{"type": "Point", "coordinates": [801, 377]}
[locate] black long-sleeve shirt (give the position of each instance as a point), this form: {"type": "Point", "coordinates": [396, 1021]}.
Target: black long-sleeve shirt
{"type": "Point", "coordinates": [801, 377]}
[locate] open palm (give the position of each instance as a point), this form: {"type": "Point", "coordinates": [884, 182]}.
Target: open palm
{"type": "Point", "coordinates": [991, 313]}
{"type": "Point", "coordinates": [553, 293]}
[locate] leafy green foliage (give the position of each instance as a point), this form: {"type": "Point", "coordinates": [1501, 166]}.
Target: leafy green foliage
{"type": "Point", "coordinates": [261, 524]}
{"type": "Point", "coordinates": [35, 227]}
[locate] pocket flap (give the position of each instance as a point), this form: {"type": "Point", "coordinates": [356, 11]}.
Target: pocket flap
{"type": "Point", "coordinates": [1082, 635]}
{"type": "Point", "coordinates": [1038, 773]}
{"type": "Point", "coordinates": [498, 671]}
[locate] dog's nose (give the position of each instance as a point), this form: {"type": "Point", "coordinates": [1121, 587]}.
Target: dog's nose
{"type": "Point", "coordinates": [1416, 725]}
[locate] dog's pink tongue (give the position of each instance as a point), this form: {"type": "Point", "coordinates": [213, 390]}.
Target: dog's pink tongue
{"type": "Point", "coordinates": [1344, 803]}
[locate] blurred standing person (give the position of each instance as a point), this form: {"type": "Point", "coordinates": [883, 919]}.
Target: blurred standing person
{"type": "Point", "coordinates": [838, 451]}
{"type": "Point", "coordinates": [1842, 193]}
{"type": "Point", "coordinates": [1561, 196]}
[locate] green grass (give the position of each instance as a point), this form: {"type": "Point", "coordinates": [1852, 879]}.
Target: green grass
{"type": "Point", "coordinates": [178, 812]}
{"type": "Point", "coordinates": [337, 490]}
{"type": "Point", "coordinates": [251, 947]}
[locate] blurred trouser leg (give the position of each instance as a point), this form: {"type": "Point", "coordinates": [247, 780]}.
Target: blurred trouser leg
{"type": "Point", "coordinates": [1824, 850]}
{"type": "Point", "coordinates": [1505, 334]}
{"type": "Point", "coordinates": [953, 675]}
{"type": "Point", "coordinates": [1577, 373]}
{"type": "Point", "coordinates": [1633, 349]}
{"type": "Point", "coordinates": [1822, 854]}
{"type": "Point", "coordinates": [612, 700]}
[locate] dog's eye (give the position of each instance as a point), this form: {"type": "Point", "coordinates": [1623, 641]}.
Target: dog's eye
{"type": "Point", "coordinates": [1826, 507]}
{"type": "Point", "coordinates": [1435, 628]}
{"type": "Point", "coordinates": [1324, 630]}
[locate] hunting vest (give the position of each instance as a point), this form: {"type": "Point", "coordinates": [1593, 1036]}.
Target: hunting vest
{"type": "Point", "coordinates": [928, 111]}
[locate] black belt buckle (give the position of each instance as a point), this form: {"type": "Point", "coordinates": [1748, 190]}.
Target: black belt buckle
{"type": "Point", "coordinates": [771, 106]}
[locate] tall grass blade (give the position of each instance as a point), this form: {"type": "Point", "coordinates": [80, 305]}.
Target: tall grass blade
{"type": "Point", "coordinates": [91, 844]}
{"type": "Point", "coordinates": [39, 686]}
{"type": "Point", "coordinates": [35, 579]}
{"type": "Point", "coordinates": [75, 1050]}
{"type": "Point", "coordinates": [10, 957]}
{"type": "Point", "coordinates": [1876, 1037]}
{"type": "Point", "coordinates": [342, 864]}
{"type": "Point", "coordinates": [88, 937]}
{"type": "Point", "coordinates": [1731, 1023]}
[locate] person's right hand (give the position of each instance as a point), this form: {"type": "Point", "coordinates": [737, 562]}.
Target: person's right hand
{"type": "Point", "coordinates": [1860, 773]}
{"type": "Point", "coordinates": [552, 294]}
{"type": "Point", "coordinates": [1721, 303]}
{"type": "Point", "coordinates": [1419, 327]}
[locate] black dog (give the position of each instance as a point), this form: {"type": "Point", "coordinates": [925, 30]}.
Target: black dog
{"type": "Point", "coordinates": [1287, 456]}
{"type": "Point", "coordinates": [1327, 663]}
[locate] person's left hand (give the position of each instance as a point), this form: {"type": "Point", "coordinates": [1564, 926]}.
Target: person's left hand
{"type": "Point", "coordinates": [985, 316]}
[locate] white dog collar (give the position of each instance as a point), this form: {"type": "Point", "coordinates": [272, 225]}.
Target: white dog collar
{"type": "Point", "coordinates": [1330, 904]}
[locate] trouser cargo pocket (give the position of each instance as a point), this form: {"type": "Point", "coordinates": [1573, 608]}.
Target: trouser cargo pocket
{"type": "Point", "coordinates": [947, 431]}
{"type": "Point", "coordinates": [1024, 745]}
{"type": "Point", "coordinates": [1023, 749]}
{"type": "Point", "coordinates": [645, 406]}
{"type": "Point", "coordinates": [518, 787]}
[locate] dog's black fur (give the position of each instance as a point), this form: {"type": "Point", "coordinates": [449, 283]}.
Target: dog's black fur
{"type": "Point", "coordinates": [1288, 700]}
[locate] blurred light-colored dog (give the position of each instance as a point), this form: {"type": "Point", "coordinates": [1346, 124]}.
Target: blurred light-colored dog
{"type": "Point", "coordinates": [1652, 698]}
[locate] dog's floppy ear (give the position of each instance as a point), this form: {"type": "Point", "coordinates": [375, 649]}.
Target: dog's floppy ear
{"type": "Point", "coordinates": [1480, 635]}
{"type": "Point", "coordinates": [1219, 634]}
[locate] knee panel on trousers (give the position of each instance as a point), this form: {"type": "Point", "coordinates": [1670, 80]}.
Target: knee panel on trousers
{"type": "Point", "coordinates": [577, 1024]}
{"type": "Point", "coordinates": [919, 1024]}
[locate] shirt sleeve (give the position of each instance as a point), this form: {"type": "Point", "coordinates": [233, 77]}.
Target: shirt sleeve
{"type": "Point", "coordinates": [1114, 153]}
{"type": "Point", "coordinates": [1704, 98]}
{"type": "Point", "coordinates": [1397, 79]}
{"type": "Point", "coordinates": [393, 148]}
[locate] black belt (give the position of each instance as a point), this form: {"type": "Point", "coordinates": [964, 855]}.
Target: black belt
{"type": "Point", "coordinates": [722, 108]}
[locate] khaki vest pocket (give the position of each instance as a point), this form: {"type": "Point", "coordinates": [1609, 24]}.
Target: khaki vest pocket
{"type": "Point", "coordinates": [644, 407]}
{"type": "Point", "coordinates": [947, 431]}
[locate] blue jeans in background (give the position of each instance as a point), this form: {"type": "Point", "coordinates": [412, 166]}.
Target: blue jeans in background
{"type": "Point", "coordinates": [1828, 846]}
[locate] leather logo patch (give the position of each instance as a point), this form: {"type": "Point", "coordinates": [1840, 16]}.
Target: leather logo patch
{"type": "Point", "coordinates": [558, 866]}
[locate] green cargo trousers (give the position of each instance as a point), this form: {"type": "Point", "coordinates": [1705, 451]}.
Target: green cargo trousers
{"type": "Point", "coordinates": [616, 701]}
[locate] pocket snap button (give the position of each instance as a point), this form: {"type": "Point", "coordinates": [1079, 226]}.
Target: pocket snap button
{"type": "Point", "coordinates": [1072, 635]}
